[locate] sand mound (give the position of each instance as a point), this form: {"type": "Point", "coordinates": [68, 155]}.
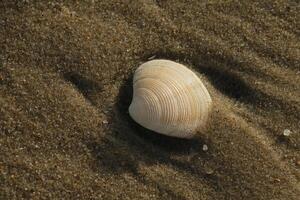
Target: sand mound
{"type": "Point", "coordinates": [65, 86]}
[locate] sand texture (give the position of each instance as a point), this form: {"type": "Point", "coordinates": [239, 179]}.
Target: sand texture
{"type": "Point", "coordinates": [66, 83]}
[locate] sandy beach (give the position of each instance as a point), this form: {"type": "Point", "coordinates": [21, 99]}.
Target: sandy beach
{"type": "Point", "coordinates": [66, 71]}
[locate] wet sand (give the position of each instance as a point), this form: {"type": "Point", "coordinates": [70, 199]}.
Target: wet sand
{"type": "Point", "coordinates": [66, 84]}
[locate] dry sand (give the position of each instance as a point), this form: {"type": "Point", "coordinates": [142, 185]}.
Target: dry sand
{"type": "Point", "coordinates": [65, 86]}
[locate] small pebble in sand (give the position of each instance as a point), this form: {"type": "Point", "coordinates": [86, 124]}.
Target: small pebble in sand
{"type": "Point", "coordinates": [205, 147]}
{"type": "Point", "coordinates": [208, 170]}
{"type": "Point", "coordinates": [277, 179]}
{"type": "Point", "coordinates": [287, 132]}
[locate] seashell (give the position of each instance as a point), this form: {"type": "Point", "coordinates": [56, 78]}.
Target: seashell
{"type": "Point", "coordinates": [170, 99]}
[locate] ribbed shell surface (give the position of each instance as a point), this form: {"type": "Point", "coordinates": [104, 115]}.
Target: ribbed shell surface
{"type": "Point", "coordinates": [170, 99]}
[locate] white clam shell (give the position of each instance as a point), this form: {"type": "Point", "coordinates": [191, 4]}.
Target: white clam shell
{"type": "Point", "coordinates": [170, 99]}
